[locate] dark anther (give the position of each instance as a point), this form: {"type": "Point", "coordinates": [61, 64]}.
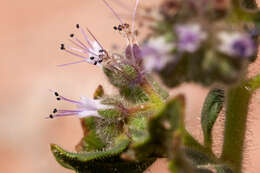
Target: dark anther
{"type": "Point", "coordinates": [100, 60]}
{"type": "Point", "coordinates": [56, 94]}
{"type": "Point", "coordinates": [51, 116]}
{"type": "Point", "coordinates": [77, 26]}
{"type": "Point", "coordinates": [92, 57]}
{"type": "Point", "coordinates": [58, 98]}
{"type": "Point", "coordinates": [55, 110]}
{"type": "Point", "coordinates": [126, 25]}
{"type": "Point", "coordinates": [115, 28]}
{"type": "Point", "coordinates": [101, 50]}
{"type": "Point", "coordinates": [71, 35]}
{"type": "Point", "coordinates": [62, 47]}
{"type": "Point", "coordinates": [95, 63]}
{"type": "Point", "coordinates": [119, 27]}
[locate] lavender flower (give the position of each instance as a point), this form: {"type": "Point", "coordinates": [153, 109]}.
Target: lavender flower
{"type": "Point", "coordinates": [90, 51]}
{"type": "Point", "coordinates": [86, 107]}
{"type": "Point", "coordinates": [236, 44]}
{"type": "Point", "coordinates": [190, 37]}
{"type": "Point", "coordinates": [156, 54]}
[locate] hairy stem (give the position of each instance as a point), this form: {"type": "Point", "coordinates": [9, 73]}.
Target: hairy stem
{"type": "Point", "coordinates": [253, 83]}
{"type": "Point", "coordinates": [238, 99]}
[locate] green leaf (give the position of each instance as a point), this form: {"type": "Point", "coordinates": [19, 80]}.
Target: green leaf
{"type": "Point", "coordinates": [210, 111]}
{"type": "Point", "coordinates": [223, 169]}
{"type": "Point", "coordinates": [107, 160]}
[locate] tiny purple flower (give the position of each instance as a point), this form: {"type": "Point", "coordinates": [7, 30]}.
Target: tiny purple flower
{"type": "Point", "coordinates": [156, 54]}
{"type": "Point", "coordinates": [236, 44]}
{"type": "Point", "coordinates": [189, 37]}
{"type": "Point", "coordinates": [90, 51]}
{"type": "Point", "coordinates": [86, 107]}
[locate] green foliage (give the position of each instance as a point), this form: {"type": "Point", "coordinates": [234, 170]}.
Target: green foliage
{"type": "Point", "coordinates": [210, 111]}
{"type": "Point", "coordinates": [141, 123]}
{"type": "Point", "coordinates": [106, 160]}
{"type": "Point", "coordinates": [157, 137]}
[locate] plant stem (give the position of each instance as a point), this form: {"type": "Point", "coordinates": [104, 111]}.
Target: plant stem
{"type": "Point", "coordinates": [253, 83]}
{"type": "Point", "coordinates": [238, 99]}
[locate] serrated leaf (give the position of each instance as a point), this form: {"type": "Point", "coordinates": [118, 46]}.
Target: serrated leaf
{"type": "Point", "coordinates": [210, 111]}
{"type": "Point", "coordinates": [99, 161]}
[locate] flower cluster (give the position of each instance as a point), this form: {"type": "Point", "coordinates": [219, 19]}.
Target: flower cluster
{"type": "Point", "coordinates": [191, 46]}
{"type": "Point", "coordinates": [191, 41]}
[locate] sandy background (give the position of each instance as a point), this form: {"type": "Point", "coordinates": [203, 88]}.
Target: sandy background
{"type": "Point", "coordinates": [31, 31]}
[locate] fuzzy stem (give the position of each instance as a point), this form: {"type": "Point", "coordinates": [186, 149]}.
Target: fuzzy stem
{"type": "Point", "coordinates": [238, 99]}
{"type": "Point", "coordinates": [253, 83]}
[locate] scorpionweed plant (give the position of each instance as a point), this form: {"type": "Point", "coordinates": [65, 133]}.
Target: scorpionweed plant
{"type": "Point", "coordinates": [208, 42]}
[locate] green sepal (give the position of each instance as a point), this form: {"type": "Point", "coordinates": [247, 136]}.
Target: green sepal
{"type": "Point", "coordinates": [210, 111]}
{"type": "Point", "coordinates": [156, 135]}
{"type": "Point", "coordinates": [134, 93]}
{"type": "Point", "coordinates": [99, 132]}
{"type": "Point", "coordinates": [121, 78]}
{"type": "Point", "coordinates": [90, 141]}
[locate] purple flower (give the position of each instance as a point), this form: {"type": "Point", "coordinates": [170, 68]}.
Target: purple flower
{"type": "Point", "coordinates": [156, 54]}
{"type": "Point", "coordinates": [86, 107]}
{"type": "Point", "coordinates": [189, 37]}
{"type": "Point", "coordinates": [90, 51]}
{"type": "Point", "coordinates": [236, 44]}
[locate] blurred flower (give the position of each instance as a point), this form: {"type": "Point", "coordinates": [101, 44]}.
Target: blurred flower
{"type": "Point", "coordinates": [189, 36]}
{"type": "Point", "coordinates": [236, 44]}
{"type": "Point", "coordinates": [91, 51]}
{"type": "Point", "coordinates": [86, 107]}
{"type": "Point", "coordinates": [156, 53]}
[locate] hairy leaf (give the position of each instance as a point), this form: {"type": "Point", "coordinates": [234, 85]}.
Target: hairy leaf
{"type": "Point", "coordinates": [210, 111]}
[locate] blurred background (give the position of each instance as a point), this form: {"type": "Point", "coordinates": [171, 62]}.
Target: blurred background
{"type": "Point", "coordinates": [31, 31]}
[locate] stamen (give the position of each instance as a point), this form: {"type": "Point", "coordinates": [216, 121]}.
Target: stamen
{"type": "Point", "coordinates": [56, 94]}
{"type": "Point", "coordinates": [122, 5]}
{"type": "Point", "coordinates": [119, 27]}
{"type": "Point", "coordinates": [71, 35]}
{"type": "Point", "coordinates": [86, 37]}
{"type": "Point", "coordinates": [134, 15]}
{"type": "Point", "coordinates": [54, 110]}
{"type": "Point", "coordinates": [72, 63]}
{"type": "Point", "coordinates": [77, 25]}
{"type": "Point", "coordinates": [115, 28]}
{"type": "Point", "coordinates": [92, 58]}
{"type": "Point", "coordinates": [51, 116]}
{"type": "Point", "coordinates": [95, 63]}
{"type": "Point", "coordinates": [81, 46]}
{"type": "Point", "coordinates": [58, 98]}
{"type": "Point", "coordinates": [69, 100]}
{"type": "Point", "coordinates": [75, 54]}
{"type": "Point", "coordinates": [62, 47]}
{"type": "Point", "coordinates": [113, 11]}
{"type": "Point", "coordinates": [94, 38]}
